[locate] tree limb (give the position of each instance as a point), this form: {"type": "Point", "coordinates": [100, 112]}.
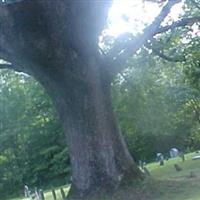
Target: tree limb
{"type": "Point", "coordinates": [121, 53]}
{"type": "Point", "coordinates": [182, 22]}
{"type": "Point", "coordinates": [131, 47]}
{"type": "Point", "coordinates": [195, 4]}
{"type": "Point", "coordinates": [168, 58]}
{"type": "Point", "coordinates": [6, 66]}
{"type": "Point", "coordinates": [14, 67]}
{"type": "Point", "coordinates": [159, 52]}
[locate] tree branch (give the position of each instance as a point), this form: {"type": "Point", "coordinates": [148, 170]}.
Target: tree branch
{"type": "Point", "coordinates": [126, 50]}
{"type": "Point", "coordinates": [14, 67]}
{"type": "Point", "coordinates": [159, 52]}
{"type": "Point", "coordinates": [195, 4]}
{"type": "Point", "coordinates": [182, 22]}
{"type": "Point", "coordinates": [6, 66]}
{"type": "Point", "coordinates": [168, 58]}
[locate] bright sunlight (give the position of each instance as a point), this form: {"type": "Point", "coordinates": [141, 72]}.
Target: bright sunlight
{"type": "Point", "coordinates": [133, 15]}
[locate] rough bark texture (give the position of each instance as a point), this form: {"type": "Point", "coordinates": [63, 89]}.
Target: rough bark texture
{"type": "Point", "coordinates": [57, 43]}
{"type": "Point", "coordinates": [99, 157]}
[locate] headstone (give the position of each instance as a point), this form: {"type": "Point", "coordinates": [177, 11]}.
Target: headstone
{"type": "Point", "coordinates": [33, 196]}
{"type": "Point", "coordinates": [161, 162]}
{"type": "Point", "coordinates": [146, 172]}
{"type": "Point", "coordinates": [192, 175]}
{"type": "Point", "coordinates": [173, 152]}
{"type": "Point", "coordinates": [62, 193]}
{"type": "Point", "coordinates": [41, 194]}
{"type": "Point", "coordinates": [160, 158]}
{"type": "Point", "coordinates": [182, 155]}
{"type": "Point", "coordinates": [178, 168]}
{"type": "Point", "coordinates": [196, 158]}
{"type": "Point", "coordinates": [26, 191]}
{"type": "Point", "coordinates": [142, 164]}
{"type": "Point", "coordinates": [36, 194]}
{"type": "Point", "coordinates": [54, 194]}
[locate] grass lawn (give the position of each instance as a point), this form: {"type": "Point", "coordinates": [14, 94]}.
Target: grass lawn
{"type": "Point", "coordinates": [165, 183]}
{"type": "Point", "coordinates": [177, 185]}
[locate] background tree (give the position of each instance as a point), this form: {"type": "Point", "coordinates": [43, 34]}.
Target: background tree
{"type": "Point", "coordinates": [31, 140]}
{"type": "Point", "coordinates": [153, 105]}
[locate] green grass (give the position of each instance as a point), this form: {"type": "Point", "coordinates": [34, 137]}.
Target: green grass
{"type": "Point", "coordinates": [168, 171]}
{"type": "Point", "coordinates": [165, 183]}
{"type": "Point", "coordinates": [177, 185]}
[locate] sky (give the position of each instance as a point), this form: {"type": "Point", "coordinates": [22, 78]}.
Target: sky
{"type": "Point", "coordinates": [132, 15]}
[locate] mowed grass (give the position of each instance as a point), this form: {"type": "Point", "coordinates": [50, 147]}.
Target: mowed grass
{"type": "Point", "coordinates": [165, 183]}
{"type": "Point", "coordinates": [177, 185]}
{"type": "Point", "coordinates": [168, 171]}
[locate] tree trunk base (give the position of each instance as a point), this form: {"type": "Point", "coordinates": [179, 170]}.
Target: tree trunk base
{"type": "Point", "coordinates": [106, 189]}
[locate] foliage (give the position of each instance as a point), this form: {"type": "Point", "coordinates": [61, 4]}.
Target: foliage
{"type": "Point", "coordinates": [155, 106]}
{"type": "Point", "coordinates": [31, 140]}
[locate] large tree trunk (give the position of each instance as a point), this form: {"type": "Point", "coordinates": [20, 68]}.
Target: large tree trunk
{"type": "Point", "coordinates": [57, 43]}
{"type": "Point", "coordinates": [99, 157]}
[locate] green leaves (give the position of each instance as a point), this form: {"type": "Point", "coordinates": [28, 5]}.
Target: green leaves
{"type": "Point", "coordinates": [151, 99]}
{"type": "Point", "coordinates": [32, 148]}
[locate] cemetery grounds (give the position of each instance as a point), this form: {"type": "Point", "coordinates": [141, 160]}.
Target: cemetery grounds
{"type": "Point", "coordinates": [165, 183]}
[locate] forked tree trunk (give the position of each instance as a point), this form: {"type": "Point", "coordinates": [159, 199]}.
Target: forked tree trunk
{"type": "Point", "coordinates": [99, 157]}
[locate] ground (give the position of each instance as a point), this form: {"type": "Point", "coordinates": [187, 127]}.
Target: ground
{"type": "Point", "coordinates": [165, 183]}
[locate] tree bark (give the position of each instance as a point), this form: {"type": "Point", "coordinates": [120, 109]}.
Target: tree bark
{"type": "Point", "coordinates": [99, 157]}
